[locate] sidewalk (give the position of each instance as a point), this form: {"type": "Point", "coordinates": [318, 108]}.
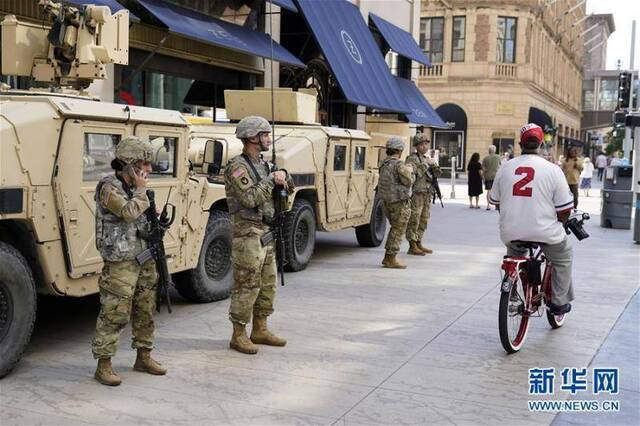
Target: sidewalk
{"type": "Point", "coordinates": [366, 345]}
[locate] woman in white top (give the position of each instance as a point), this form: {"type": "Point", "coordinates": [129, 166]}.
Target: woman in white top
{"type": "Point", "coordinates": [586, 175]}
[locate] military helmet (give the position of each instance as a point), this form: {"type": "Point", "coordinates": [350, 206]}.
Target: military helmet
{"type": "Point", "coordinates": [132, 149]}
{"type": "Point", "coordinates": [419, 138]}
{"type": "Point", "coordinates": [251, 126]}
{"type": "Point", "coordinates": [395, 143]}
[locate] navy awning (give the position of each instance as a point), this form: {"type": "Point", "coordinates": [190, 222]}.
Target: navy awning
{"type": "Point", "coordinates": [211, 30]}
{"type": "Point", "coordinates": [352, 54]}
{"type": "Point", "coordinates": [399, 40]}
{"type": "Point", "coordinates": [541, 118]}
{"type": "Point", "coordinates": [421, 110]}
{"type": "Point", "coordinates": [112, 4]}
{"type": "Point", "coordinates": [287, 4]}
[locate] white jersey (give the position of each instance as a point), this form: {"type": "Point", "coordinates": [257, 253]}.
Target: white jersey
{"type": "Point", "coordinates": [531, 192]}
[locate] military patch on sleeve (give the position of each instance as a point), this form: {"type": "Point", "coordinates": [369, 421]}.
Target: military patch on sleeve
{"type": "Point", "coordinates": [238, 172]}
{"type": "Point", "coordinates": [244, 180]}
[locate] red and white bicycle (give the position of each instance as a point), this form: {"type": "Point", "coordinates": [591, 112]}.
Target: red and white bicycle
{"type": "Point", "coordinates": [526, 288]}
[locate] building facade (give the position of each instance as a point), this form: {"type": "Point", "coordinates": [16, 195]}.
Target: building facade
{"type": "Point", "coordinates": [498, 65]}
{"type": "Point", "coordinates": [600, 86]}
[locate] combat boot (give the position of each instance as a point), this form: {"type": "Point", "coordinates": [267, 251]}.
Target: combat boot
{"type": "Point", "coordinates": [105, 374]}
{"type": "Point", "coordinates": [391, 261]}
{"type": "Point", "coordinates": [414, 250]}
{"type": "Point", "coordinates": [240, 342]}
{"type": "Point", "coordinates": [261, 335]}
{"type": "Point", "coordinates": [146, 364]}
{"type": "Point", "coordinates": [423, 249]}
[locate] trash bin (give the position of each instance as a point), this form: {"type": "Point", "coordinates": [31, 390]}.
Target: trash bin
{"type": "Point", "coordinates": [617, 198]}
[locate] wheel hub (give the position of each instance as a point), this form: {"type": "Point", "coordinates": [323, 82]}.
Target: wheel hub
{"type": "Point", "coordinates": [6, 310]}
{"type": "Point", "coordinates": [302, 236]}
{"type": "Point", "coordinates": [217, 259]}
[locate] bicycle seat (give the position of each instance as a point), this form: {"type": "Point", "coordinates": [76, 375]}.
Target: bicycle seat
{"type": "Point", "coordinates": [526, 244]}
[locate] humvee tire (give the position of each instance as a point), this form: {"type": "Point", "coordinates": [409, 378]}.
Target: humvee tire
{"type": "Point", "coordinates": [372, 234]}
{"type": "Point", "coordinates": [17, 306]}
{"type": "Point", "coordinates": [212, 277]}
{"type": "Point", "coordinates": [299, 235]}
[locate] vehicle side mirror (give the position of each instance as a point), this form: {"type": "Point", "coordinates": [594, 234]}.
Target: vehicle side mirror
{"type": "Point", "coordinates": [213, 153]}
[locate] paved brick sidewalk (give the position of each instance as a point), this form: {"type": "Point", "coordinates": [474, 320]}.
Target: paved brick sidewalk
{"type": "Point", "coordinates": [366, 345]}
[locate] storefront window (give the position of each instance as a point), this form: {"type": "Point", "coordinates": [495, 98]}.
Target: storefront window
{"type": "Point", "coordinates": [506, 47]}
{"type": "Point", "coordinates": [431, 38]}
{"type": "Point", "coordinates": [153, 89]}
{"type": "Point", "coordinates": [608, 97]}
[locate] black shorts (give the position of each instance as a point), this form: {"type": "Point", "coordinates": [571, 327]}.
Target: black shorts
{"type": "Point", "coordinates": [488, 184]}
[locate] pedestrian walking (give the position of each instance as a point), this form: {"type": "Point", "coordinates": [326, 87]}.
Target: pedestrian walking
{"type": "Point", "coordinates": [572, 167]}
{"type": "Point", "coordinates": [424, 168]}
{"type": "Point", "coordinates": [394, 187]}
{"type": "Point", "coordinates": [249, 183]}
{"type": "Point", "coordinates": [474, 175]}
{"type": "Point", "coordinates": [127, 289]}
{"type": "Point", "coordinates": [490, 165]}
{"type": "Point", "coordinates": [601, 164]}
{"type": "Point", "coordinates": [586, 175]}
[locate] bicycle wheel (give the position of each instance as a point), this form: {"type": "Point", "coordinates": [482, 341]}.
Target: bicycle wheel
{"type": "Point", "coordinates": [555, 321]}
{"type": "Point", "coordinates": [513, 319]}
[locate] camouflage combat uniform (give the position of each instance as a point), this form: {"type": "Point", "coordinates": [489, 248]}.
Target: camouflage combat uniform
{"type": "Point", "coordinates": [127, 290]}
{"type": "Point", "coordinates": [394, 187]}
{"type": "Point", "coordinates": [249, 196]}
{"type": "Point", "coordinates": [421, 196]}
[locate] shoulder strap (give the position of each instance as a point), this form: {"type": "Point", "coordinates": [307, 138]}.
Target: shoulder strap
{"type": "Point", "coordinates": [253, 168]}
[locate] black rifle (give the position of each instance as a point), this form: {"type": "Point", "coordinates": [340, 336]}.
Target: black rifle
{"type": "Point", "coordinates": [154, 238]}
{"type": "Point", "coordinates": [436, 186]}
{"type": "Point", "coordinates": [280, 195]}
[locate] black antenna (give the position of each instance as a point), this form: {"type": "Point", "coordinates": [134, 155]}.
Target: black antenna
{"type": "Point", "coordinates": [273, 108]}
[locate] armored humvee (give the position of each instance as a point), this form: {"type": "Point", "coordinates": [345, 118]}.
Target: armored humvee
{"type": "Point", "coordinates": [54, 147]}
{"type": "Point", "coordinates": [334, 169]}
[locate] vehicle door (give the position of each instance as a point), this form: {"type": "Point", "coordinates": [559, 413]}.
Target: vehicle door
{"type": "Point", "coordinates": [85, 154]}
{"type": "Point", "coordinates": [167, 180]}
{"type": "Point", "coordinates": [337, 178]}
{"type": "Point", "coordinates": [359, 181]}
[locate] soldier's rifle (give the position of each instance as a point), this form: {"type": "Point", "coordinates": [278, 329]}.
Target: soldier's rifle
{"type": "Point", "coordinates": [155, 250]}
{"type": "Point", "coordinates": [280, 193]}
{"type": "Point", "coordinates": [436, 186]}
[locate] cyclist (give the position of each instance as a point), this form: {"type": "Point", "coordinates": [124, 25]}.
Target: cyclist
{"type": "Point", "coordinates": [534, 200]}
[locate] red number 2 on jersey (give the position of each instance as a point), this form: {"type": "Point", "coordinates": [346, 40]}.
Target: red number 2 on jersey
{"type": "Point", "coordinates": [519, 189]}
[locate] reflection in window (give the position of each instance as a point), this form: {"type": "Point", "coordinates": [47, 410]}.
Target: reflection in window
{"type": "Point", "coordinates": [339, 157]}
{"type": "Point", "coordinates": [360, 156]}
{"type": "Point", "coordinates": [608, 96]}
{"type": "Point", "coordinates": [588, 100]}
{"type": "Point", "coordinates": [164, 151]}
{"type": "Point", "coordinates": [506, 48]}
{"type": "Point", "coordinates": [457, 44]}
{"type": "Point", "coordinates": [98, 152]}
{"type": "Point", "coordinates": [431, 38]}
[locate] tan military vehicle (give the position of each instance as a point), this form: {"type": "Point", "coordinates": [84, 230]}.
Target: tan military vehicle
{"type": "Point", "coordinates": [335, 170]}
{"type": "Point", "coordinates": [54, 147]}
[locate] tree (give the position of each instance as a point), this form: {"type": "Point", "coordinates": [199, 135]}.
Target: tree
{"type": "Point", "coordinates": [615, 138]}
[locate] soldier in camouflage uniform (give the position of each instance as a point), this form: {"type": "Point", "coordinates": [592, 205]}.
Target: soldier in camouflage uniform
{"type": "Point", "coordinates": [249, 185]}
{"type": "Point", "coordinates": [394, 187]}
{"type": "Point", "coordinates": [127, 290]}
{"type": "Point", "coordinates": [424, 170]}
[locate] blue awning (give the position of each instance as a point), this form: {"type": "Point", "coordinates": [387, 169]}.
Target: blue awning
{"type": "Point", "coordinates": [352, 54]}
{"type": "Point", "coordinates": [287, 4]}
{"type": "Point", "coordinates": [421, 110]}
{"type": "Point", "coordinates": [399, 40]}
{"type": "Point", "coordinates": [112, 4]}
{"type": "Point", "coordinates": [205, 28]}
